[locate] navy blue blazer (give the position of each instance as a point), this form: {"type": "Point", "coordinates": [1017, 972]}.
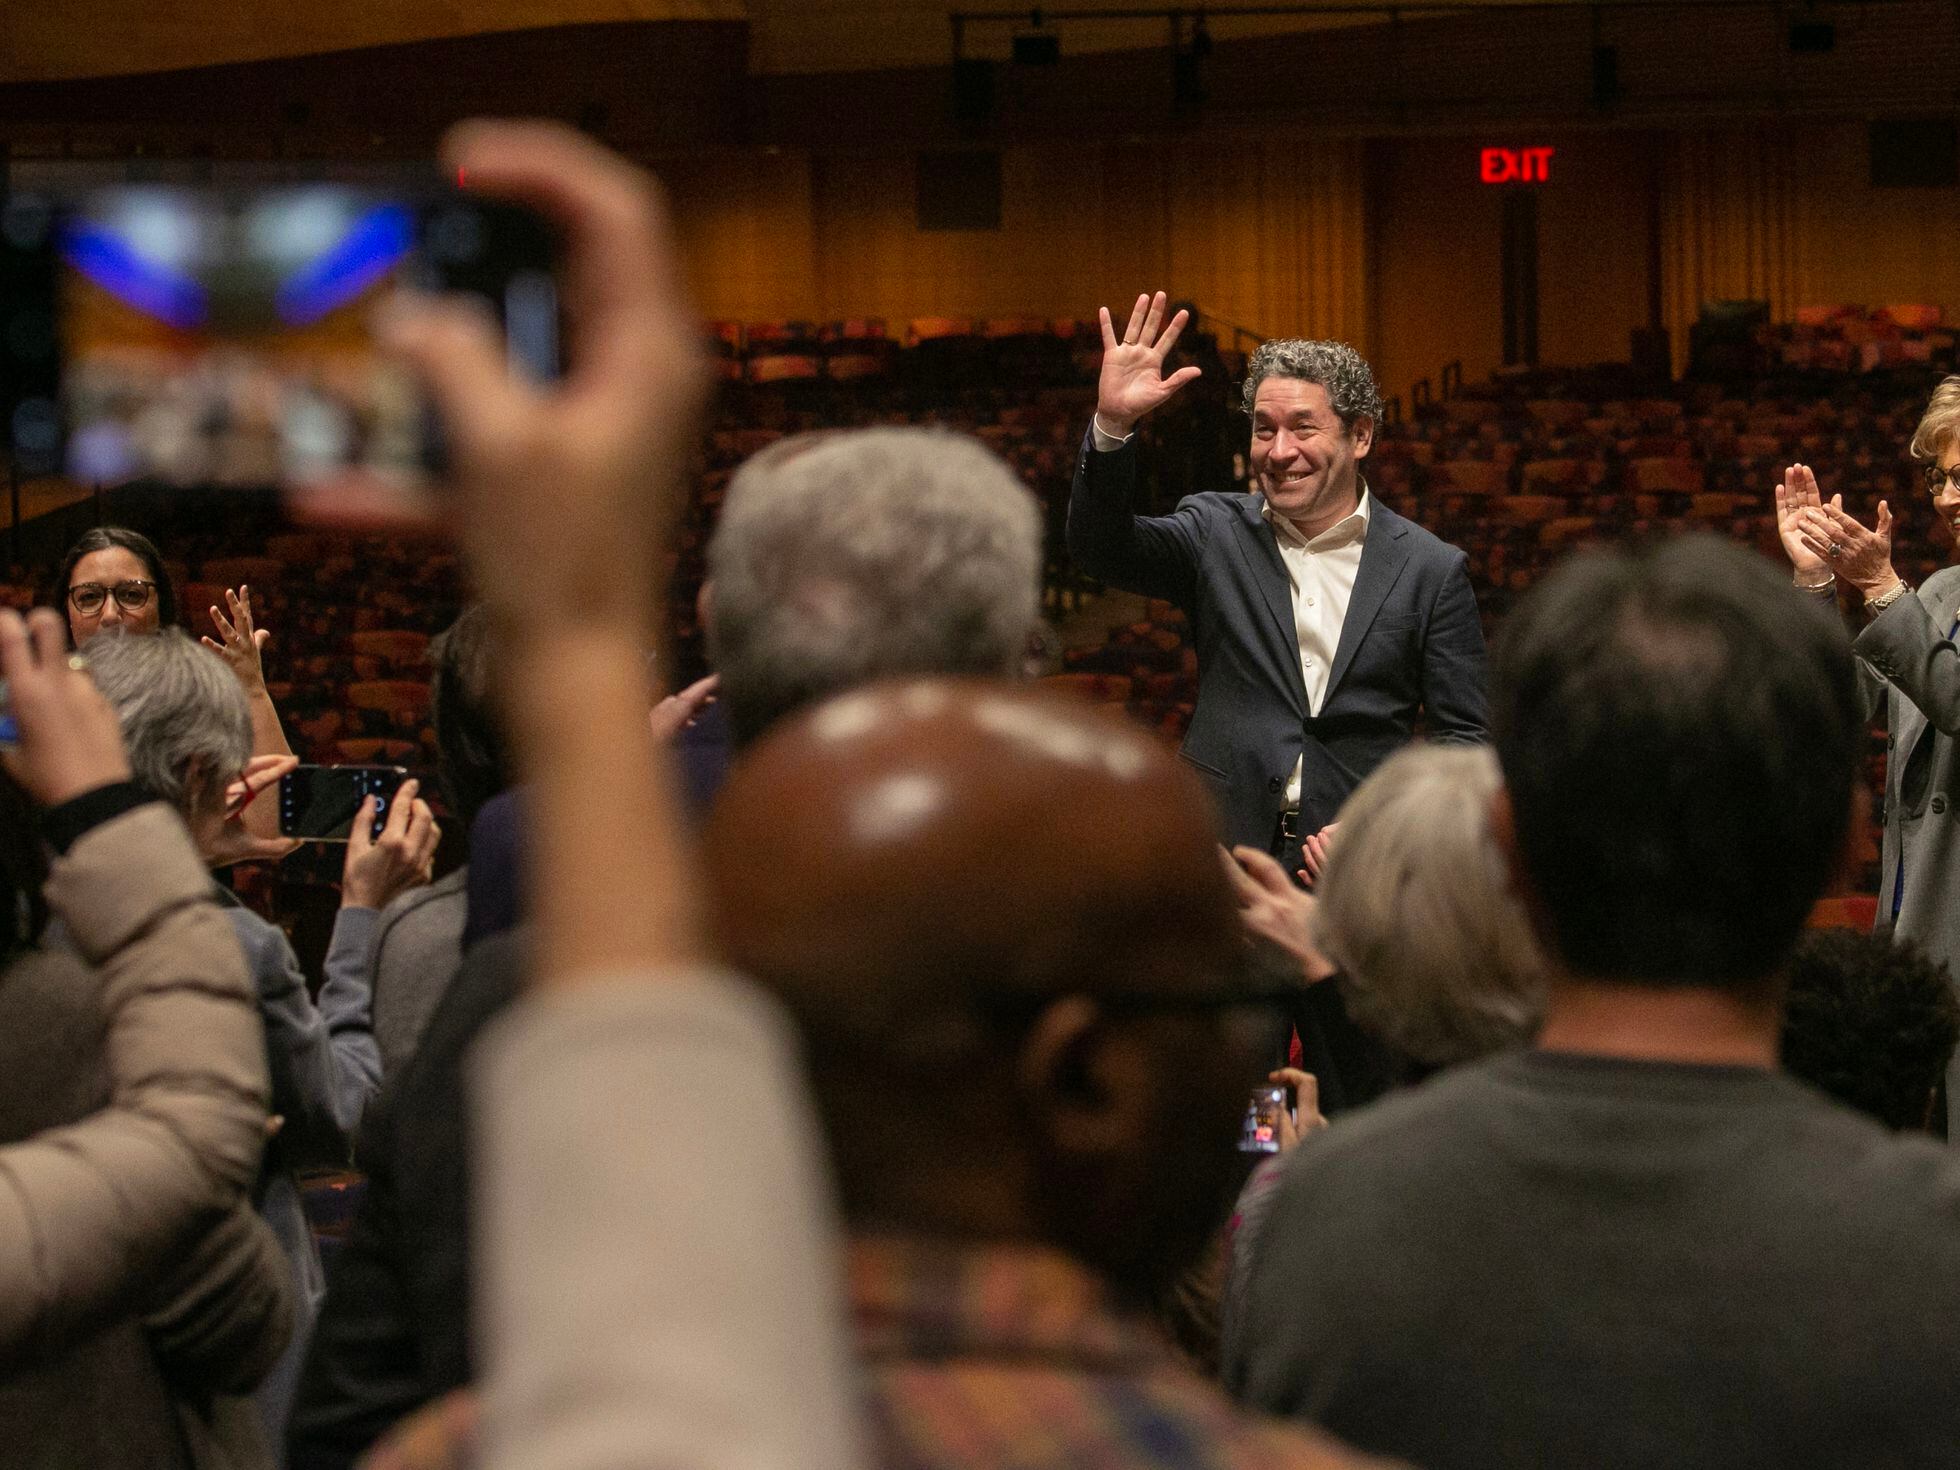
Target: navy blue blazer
{"type": "Point", "coordinates": [1411, 642]}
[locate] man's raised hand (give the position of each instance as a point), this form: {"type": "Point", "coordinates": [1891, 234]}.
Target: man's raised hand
{"type": "Point", "coordinates": [1133, 381]}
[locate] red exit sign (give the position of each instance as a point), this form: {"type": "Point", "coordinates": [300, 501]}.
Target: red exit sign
{"type": "Point", "coordinates": [1515, 165]}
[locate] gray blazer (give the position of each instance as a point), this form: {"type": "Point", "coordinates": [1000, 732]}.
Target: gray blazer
{"type": "Point", "coordinates": [1910, 671]}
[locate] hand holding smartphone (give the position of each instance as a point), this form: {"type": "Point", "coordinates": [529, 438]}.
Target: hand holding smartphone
{"type": "Point", "coordinates": [213, 335]}
{"type": "Point", "coordinates": [319, 803]}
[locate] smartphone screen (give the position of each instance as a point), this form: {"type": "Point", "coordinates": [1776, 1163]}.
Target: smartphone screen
{"type": "Point", "coordinates": [320, 803]}
{"type": "Point", "coordinates": [1260, 1133]}
{"type": "Point", "coordinates": [205, 336]}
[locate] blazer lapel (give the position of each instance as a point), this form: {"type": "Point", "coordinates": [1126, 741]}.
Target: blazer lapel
{"type": "Point", "coordinates": [1382, 558]}
{"type": "Point", "coordinates": [1260, 551]}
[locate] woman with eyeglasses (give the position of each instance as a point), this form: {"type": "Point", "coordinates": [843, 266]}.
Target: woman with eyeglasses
{"type": "Point", "coordinates": [113, 581]}
{"type": "Point", "coordinates": [1909, 673]}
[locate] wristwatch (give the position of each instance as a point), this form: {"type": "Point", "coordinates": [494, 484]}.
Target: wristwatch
{"type": "Point", "coordinates": [1877, 605]}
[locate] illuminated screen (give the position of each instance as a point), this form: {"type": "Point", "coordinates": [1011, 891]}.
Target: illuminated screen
{"type": "Point", "coordinates": [225, 341]}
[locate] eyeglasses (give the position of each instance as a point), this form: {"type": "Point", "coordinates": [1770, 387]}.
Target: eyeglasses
{"type": "Point", "coordinates": [1936, 479]}
{"type": "Point", "coordinates": [131, 596]}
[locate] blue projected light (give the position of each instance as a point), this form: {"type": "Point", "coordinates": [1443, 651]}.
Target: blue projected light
{"type": "Point", "coordinates": [155, 289]}
{"type": "Point", "coordinates": [374, 245]}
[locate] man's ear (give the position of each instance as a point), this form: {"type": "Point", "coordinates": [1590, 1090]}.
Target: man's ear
{"type": "Point", "coordinates": [1363, 435]}
{"type": "Point", "coordinates": [1088, 1087]}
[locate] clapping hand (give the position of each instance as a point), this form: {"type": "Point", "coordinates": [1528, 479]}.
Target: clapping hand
{"type": "Point", "coordinates": [1796, 493]}
{"type": "Point", "coordinates": [1133, 381]}
{"type": "Point", "coordinates": [1271, 908]}
{"type": "Point", "coordinates": [1862, 557]}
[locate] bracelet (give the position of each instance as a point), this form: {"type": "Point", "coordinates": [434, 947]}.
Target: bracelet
{"type": "Point", "coordinates": [1877, 605]}
{"type": "Point", "coordinates": [1830, 580]}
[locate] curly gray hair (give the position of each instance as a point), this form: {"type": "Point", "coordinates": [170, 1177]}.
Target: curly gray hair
{"type": "Point", "coordinates": [1337, 367]}
{"type": "Point", "coordinates": [847, 557]}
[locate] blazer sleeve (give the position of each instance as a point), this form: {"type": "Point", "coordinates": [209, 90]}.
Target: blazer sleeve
{"type": "Point", "coordinates": [1903, 645]}
{"type": "Point", "coordinates": [1154, 555]}
{"type": "Point", "coordinates": [1455, 663]}
{"type": "Point", "coordinates": [90, 1212]}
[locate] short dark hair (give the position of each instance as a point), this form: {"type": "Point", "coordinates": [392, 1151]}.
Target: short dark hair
{"type": "Point", "coordinates": [1679, 731]}
{"type": "Point", "coordinates": [1870, 1022]}
{"type": "Point", "coordinates": [117, 538]}
{"type": "Point", "coordinates": [471, 762]}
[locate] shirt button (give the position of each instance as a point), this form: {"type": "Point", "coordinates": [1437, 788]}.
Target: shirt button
{"type": "Point", "coordinates": [1309, 602]}
{"type": "Point", "coordinates": [1276, 784]}
{"type": "Point", "coordinates": [1939, 805]}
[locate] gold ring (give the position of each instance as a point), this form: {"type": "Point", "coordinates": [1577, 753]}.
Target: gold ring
{"type": "Point", "coordinates": [77, 663]}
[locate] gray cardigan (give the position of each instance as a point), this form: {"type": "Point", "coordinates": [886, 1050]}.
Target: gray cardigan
{"type": "Point", "coordinates": [325, 1069]}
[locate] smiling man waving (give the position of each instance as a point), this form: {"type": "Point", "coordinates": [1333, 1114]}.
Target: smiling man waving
{"type": "Point", "coordinates": [1326, 625]}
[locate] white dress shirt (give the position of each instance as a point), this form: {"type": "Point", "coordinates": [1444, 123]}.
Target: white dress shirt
{"type": "Point", "coordinates": [1320, 573]}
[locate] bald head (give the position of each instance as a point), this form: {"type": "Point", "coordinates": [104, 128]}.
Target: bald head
{"type": "Point", "coordinates": [929, 841]}
{"type": "Point", "coordinates": [976, 898]}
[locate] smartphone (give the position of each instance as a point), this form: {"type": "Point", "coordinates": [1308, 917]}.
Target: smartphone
{"type": "Point", "coordinates": [1260, 1134]}
{"type": "Point", "coordinates": [320, 803]}
{"type": "Point", "coordinates": [221, 336]}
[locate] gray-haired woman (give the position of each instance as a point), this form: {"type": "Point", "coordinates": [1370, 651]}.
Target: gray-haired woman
{"type": "Point", "coordinates": [188, 730]}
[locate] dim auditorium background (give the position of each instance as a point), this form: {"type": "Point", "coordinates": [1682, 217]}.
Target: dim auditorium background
{"type": "Point", "coordinates": [1300, 174]}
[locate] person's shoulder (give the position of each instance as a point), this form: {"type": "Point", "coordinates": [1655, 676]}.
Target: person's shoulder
{"type": "Point", "coordinates": [448, 891]}
{"type": "Point", "coordinates": [1941, 580]}
{"type": "Point", "coordinates": [257, 935]}
{"type": "Point", "coordinates": [1416, 537]}
{"type": "Point", "coordinates": [1401, 1131]}
{"type": "Point", "coordinates": [1225, 504]}
{"type": "Point", "coordinates": [1870, 1171]}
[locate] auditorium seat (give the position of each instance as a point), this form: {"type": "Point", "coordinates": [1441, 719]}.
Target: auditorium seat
{"type": "Point", "coordinates": [933, 328]}
{"type": "Point", "coordinates": [401, 697]}
{"type": "Point", "coordinates": [1471, 477]}
{"type": "Point", "coordinates": [1671, 476]}
{"type": "Point", "coordinates": [239, 571]}
{"type": "Point", "coordinates": [368, 750]}
{"type": "Point", "coordinates": [788, 367]}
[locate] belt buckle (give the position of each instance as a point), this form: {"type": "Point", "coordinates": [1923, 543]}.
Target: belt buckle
{"type": "Point", "coordinates": [1289, 826]}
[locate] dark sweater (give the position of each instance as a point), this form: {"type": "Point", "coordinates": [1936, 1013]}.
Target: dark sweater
{"type": "Point", "coordinates": [1559, 1260]}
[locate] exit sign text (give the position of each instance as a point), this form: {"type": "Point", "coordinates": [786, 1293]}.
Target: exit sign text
{"type": "Point", "coordinates": [1515, 165]}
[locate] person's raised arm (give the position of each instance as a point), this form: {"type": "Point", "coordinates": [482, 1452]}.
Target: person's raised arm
{"type": "Point", "coordinates": [90, 1213]}
{"type": "Point", "coordinates": [241, 644]}
{"type": "Point", "coordinates": [1156, 556]}
{"type": "Point", "coordinates": [616, 1329]}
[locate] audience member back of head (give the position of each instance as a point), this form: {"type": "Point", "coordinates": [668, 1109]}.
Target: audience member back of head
{"type": "Point", "coordinates": [1638, 1243]}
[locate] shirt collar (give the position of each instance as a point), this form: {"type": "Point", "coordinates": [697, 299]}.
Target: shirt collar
{"type": "Point", "coordinates": [1349, 529]}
